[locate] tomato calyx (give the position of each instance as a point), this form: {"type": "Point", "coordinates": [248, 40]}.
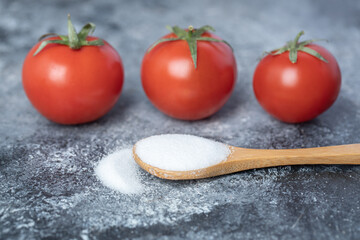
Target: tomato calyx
{"type": "Point", "coordinates": [191, 36]}
{"type": "Point", "coordinates": [294, 46]}
{"type": "Point", "coordinates": [74, 40]}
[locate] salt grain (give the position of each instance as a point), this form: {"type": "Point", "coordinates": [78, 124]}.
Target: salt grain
{"type": "Point", "coordinates": [179, 152]}
{"type": "Point", "coordinates": [119, 172]}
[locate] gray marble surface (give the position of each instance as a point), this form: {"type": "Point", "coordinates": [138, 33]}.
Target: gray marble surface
{"type": "Point", "coordinates": [47, 185]}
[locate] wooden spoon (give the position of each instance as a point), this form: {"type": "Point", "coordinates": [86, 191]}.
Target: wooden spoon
{"type": "Point", "coordinates": [242, 159]}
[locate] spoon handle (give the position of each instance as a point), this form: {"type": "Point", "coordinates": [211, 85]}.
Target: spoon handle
{"type": "Point", "coordinates": [243, 159]}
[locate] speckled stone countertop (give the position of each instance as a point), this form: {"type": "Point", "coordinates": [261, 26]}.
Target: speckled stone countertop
{"type": "Point", "coordinates": [48, 189]}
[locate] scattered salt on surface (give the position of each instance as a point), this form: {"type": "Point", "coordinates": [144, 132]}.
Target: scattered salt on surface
{"type": "Point", "coordinates": [179, 152]}
{"type": "Point", "coordinates": [118, 171]}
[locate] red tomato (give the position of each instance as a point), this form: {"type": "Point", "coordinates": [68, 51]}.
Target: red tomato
{"type": "Point", "coordinates": [180, 90]}
{"type": "Point", "coordinates": [297, 92]}
{"type": "Point", "coordinates": [73, 86]}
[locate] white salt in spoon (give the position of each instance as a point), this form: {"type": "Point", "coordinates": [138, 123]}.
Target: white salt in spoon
{"type": "Point", "coordinates": [177, 157]}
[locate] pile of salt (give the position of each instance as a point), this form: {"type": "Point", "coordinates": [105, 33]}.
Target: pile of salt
{"type": "Point", "coordinates": [119, 172]}
{"type": "Point", "coordinates": [174, 152]}
{"type": "Point", "coordinates": [180, 152]}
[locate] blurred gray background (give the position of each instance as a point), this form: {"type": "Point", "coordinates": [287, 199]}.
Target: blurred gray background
{"type": "Point", "coordinates": [47, 185]}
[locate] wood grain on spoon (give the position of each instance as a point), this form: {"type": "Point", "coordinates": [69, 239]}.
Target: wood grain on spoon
{"type": "Point", "coordinates": [242, 159]}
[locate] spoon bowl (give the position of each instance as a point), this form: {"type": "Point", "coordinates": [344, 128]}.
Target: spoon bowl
{"type": "Point", "coordinates": [241, 159]}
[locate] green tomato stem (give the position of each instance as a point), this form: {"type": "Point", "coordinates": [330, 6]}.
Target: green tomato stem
{"type": "Point", "coordinates": [294, 46]}
{"type": "Point", "coordinates": [74, 40]}
{"type": "Point", "coordinates": [296, 40]}
{"type": "Point", "coordinates": [191, 36]}
{"type": "Point", "coordinates": [73, 37]}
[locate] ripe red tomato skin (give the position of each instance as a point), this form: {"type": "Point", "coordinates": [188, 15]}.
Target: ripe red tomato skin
{"type": "Point", "coordinates": [73, 86]}
{"type": "Point", "coordinates": [176, 88]}
{"type": "Point", "coordinates": [297, 92]}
